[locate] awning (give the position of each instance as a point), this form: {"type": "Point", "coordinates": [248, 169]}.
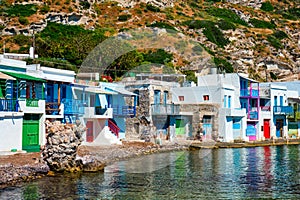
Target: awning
{"type": "Point", "coordinates": [6, 77]}
{"type": "Point", "coordinates": [98, 91]}
{"type": "Point", "coordinates": [121, 91]}
{"type": "Point", "coordinates": [23, 76]}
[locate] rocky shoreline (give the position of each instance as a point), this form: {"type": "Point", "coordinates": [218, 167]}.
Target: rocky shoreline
{"type": "Point", "coordinates": [25, 167]}
{"type": "Point", "coordinates": [93, 159]}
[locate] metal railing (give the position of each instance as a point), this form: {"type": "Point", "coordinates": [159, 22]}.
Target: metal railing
{"type": "Point", "coordinates": [73, 107]}
{"type": "Point", "coordinates": [124, 111]}
{"type": "Point", "coordinates": [8, 105]}
{"type": "Point", "coordinates": [113, 128]}
{"type": "Point", "coordinates": [52, 108]}
{"type": "Point", "coordinates": [165, 109]}
{"type": "Point", "coordinates": [283, 110]}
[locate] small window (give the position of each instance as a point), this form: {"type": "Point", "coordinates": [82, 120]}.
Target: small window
{"type": "Point", "coordinates": [181, 98]}
{"type": "Point", "coordinates": [205, 97]}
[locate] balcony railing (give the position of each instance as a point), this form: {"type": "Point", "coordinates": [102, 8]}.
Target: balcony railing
{"type": "Point", "coordinates": [32, 102]}
{"type": "Point", "coordinates": [283, 110]}
{"type": "Point", "coordinates": [8, 105]}
{"type": "Point", "coordinates": [265, 108]}
{"type": "Point", "coordinates": [73, 107]}
{"type": "Point", "coordinates": [113, 128]}
{"type": "Point", "coordinates": [52, 108]}
{"type": "Point", "coordinates": [124, 111]}
{"type": "Point", "coordinates": [248, 93]}
{"type": "Point", "coordinates": [165, 109]}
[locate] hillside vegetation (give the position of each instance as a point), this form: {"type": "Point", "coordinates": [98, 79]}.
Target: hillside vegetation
{"type": "Point", "coordinates": [261, 39]}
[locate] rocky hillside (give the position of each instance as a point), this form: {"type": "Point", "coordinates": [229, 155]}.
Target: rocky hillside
{"type": "Point", "coordinates": [261, 38]}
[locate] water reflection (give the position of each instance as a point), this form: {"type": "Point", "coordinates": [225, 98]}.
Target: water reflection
{"type": "Point", "coordinates": [265, 172]}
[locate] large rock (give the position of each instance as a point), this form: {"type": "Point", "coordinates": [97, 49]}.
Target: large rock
{"type": "Point", "coordinates": [61, 147]}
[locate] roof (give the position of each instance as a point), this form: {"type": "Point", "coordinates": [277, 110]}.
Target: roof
{"type": "Point", "coordinates": [121, 91]}
{"type": "Point", "coordinates": [245, 76]}
{"type": "Point", "coordinates": [6, 77]}
{"type": "Point", "coordinates": [97, 90]}
{"type": "Point", "coordinates": [23, 76]}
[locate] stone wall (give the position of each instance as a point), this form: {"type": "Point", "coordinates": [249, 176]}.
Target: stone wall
{"type": "Point", "coordinates": [200, 110]}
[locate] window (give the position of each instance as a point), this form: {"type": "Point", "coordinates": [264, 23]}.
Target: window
{"type": "Point", "coordinates": [92, 100]}
{"type": "Point", "coordinates": [137, 98]}
{"type": "Point", "coordinates": [165, 97]}
{"type": "Point", "coordinates": [275, 100]}
{"type": "Point", "coordinates": [281, 100]}
{"type": "Point", "coordinates": [205, 97]}
{"type": "Point", "coordinates": [156, 97]}
{"type": "Point", "coordinates": [181, 98]}
{"type": "Point", "coordinates": [225, 101]}
{"type": "Point", "coordinates": [229, 101]}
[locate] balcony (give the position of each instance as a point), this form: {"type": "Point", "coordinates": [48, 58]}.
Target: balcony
{"type": "Point", "coordinates": [73, 107]}
{"type": "Point", "coordinates": [248, 93]}
{"type": "Point", "coordinates": [31, 105]}
{"type": "Point", "coordinates": [253, 115]}
{"type": "Point", "coordinates": [165, 109]}
{"type": "Point", "coordinates": [32, 102]}
{"type": "Point", "coordinates": [265, 108]}
{"type": "Point", "coordinates": [124, 111]}
{"type": "Point", "coordinates": [7, 105]}
{"type": "Point", "coordinates": [98, 112]}
{"type": "Point", "coordinates": [234, 112]}
{"type": "Point", "coordinates": [283, 110]}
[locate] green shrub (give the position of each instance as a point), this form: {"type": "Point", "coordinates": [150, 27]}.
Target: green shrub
{"type": "Point", "coordinates": [227, 15]}
{"type": "Point", "coordinates": [293, 13]}
{"type": "Point", "coordinates": [280, 35]}
{"type": "Point", "coordinates": [23, 20]}
{"type": "Point", "coordinates": [261, 24]}
{"type": "Point", "coordinates": [21, 39]}
{"type": "Point", "coordinates": [225, 25]}
{"type": "Point", "coordinates": [223, 64]}
{"type": "Point", "coordinates": [22, 10]}
{"type": "Point", "coordinates": [267, 6]}
{"type": "Point", "coordinates": [167, 26]}
{"type": "Point", "coordinates": [45, 9]}
{"type": "Point", "coordinates": [123, 18]}
{"type": "Point", "coordinates": [159, 56]}
{"type": "Point", "coordinates": [213, 33]}
{"type": "Point", "coordinates": [152, 8]}
{"type": "Point", "coordinates": [85, 4]}
{"type": "Point", "coordinates": [274, 42]}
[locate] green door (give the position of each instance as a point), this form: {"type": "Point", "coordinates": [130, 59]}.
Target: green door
{"type": "Point", "coordinates": [30, 139]}
{"type": "Point", "coordinates": [180, 127]}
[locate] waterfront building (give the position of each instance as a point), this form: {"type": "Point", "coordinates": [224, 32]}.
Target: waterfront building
{"type": "Point", "coordinates": [293, 118]}
{"type": "Point", "coordinates": [155, 112]}
{"type": "Point", "coordinates": [276, 110]}
{"type": "Point", "coordinates": [24, 95]}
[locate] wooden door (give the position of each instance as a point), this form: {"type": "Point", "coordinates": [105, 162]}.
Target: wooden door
{"type": "Point", "coordinates": [89, 131]}
{"type": "Point", "coordinates": [30, 133]}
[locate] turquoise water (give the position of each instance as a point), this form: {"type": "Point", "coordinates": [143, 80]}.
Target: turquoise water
{"type": "Point", "coordinates": [246, 173]}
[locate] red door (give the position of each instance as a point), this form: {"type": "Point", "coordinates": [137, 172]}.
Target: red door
{"type": "Point", "coordinates": [267, 128]}
{"type": "Point", "coordinates": [89, 131]}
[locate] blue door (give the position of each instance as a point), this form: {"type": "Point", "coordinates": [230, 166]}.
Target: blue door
{"type": "Point", "coordinates": [279, 128]}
